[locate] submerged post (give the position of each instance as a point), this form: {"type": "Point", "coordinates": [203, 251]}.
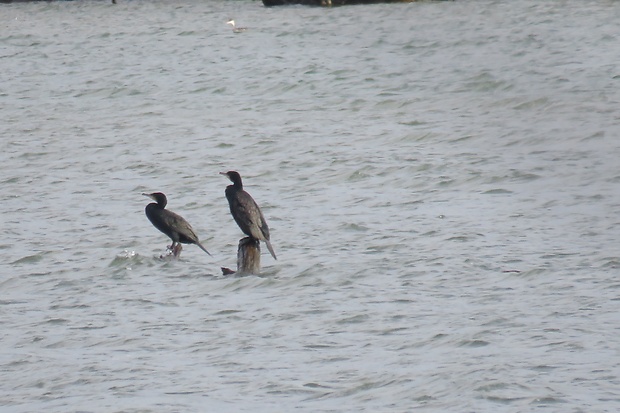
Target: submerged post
{"type": "Point", "coordinates": [248, 257]}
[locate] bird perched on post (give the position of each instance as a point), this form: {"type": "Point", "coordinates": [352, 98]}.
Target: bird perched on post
{"type": "Point", "coordinates": [246, 212]}
{"type": "Point", "coordinates": [171, 224]}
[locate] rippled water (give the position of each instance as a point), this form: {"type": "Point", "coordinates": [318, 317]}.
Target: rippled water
{"type": "Point", "coordinates": [440, 179]}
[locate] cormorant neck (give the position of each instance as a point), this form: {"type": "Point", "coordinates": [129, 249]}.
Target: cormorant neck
{"type": "Point", "coordinates": [161, 201]}
{"type": "Point", "coordinates": [237, 182]}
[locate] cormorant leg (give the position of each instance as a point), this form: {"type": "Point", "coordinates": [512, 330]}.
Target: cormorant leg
{"type": "Point", "coordinates": [176, 251]}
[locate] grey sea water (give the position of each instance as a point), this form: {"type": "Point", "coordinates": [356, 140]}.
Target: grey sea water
{"type": "Point", "coordinates": [441, 181]}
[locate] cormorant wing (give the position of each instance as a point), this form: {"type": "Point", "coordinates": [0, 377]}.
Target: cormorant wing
{"type": "Point", "coordinates": [181, 226]}
{"type": "Point", "coordinates": [249, 216]}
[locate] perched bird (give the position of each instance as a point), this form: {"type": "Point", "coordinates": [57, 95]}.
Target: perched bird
{"type": "Point", "coordinates": [236, 29]}
{"type": "Point", "coordinates": [246, 212]}
{"type": "Point", "coordinates": [171, 224]}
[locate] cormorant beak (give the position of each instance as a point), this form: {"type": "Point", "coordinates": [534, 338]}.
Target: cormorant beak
{"type": "Point", "coordinates": [224, 173]}
{"type": "Point", "coordinates": [149, 195]}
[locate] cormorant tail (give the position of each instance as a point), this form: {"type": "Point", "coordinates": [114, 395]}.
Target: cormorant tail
{"type": "Point", "coordinates": [203, 248]}
{"type": "Point", "coordinates": [270, 248]}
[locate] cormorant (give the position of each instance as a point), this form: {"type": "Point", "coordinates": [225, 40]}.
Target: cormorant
{"type": "Point", "coordinates": [171, 224]}
{"type": "Point", "coordinates": [246, 212]}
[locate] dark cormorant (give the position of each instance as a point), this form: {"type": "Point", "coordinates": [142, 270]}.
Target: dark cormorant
{"type": "Point", "coordinates": [246, 212]}
{"type": "Point", "coordinates": [171, 224]}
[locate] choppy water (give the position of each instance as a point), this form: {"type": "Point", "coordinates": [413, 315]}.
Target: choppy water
{"type": "Point", "coordinates": [441, 181]}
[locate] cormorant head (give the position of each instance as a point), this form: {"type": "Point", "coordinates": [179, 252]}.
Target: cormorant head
{"type": "Point", "coordinates": [158, 197]}
{"type": "Point", "coordinates": [234, 177]}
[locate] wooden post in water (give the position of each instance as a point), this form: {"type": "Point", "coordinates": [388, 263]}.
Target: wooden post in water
{"type": "Point", "coordinates": [248, 258]}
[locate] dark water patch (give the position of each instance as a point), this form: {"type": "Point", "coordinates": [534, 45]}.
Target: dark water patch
{"type": "Point", "coordinates": [313, 385]}
{"type": "Point", "coordinates": [57, 321]}
{"type": "Point", "coordinates": [543, 368]}
{"type": "Point", "coordinates": [393, 331]}
{"type": "Point", "coordinates": [378, 249]}
{"type": "Point", "coordinates": [520, 176]}
{"type": "Point", "coordinates": [595, 136]}
{"type": "Point", "coordinates": [483, 82]}
{"type": "Point", "coordinates": [361, 318]}
{"type": "Point", "coordinates": [69, 307]}
{"type": "Point", "coordinates": [505, 400]}
{"type": "Point", "coordinates": [181, 393]}
{"type": "Point", "coordinates": [473, 343]}
{"type": "Point", "coordinates": [403, 301]}
{"type": "Point", "coordinates": [30, 259]}
{"type": "Point", "coordinates": [497, 191]}
{"type": "Point", "coordinates": [228, 312]}
{"type": "Point", "coordinates": [353, 227]}
{"type": "Point", "coordinates": [501, 386]}
{"type": "Point", "coordinates": [460, 238]}
{"type": "Point", "coordinates": [319, 346]}
{"type": "Point", "coordinates": [12, 180]}
{"type": "Point", "coordinates": [364, 387]}
{"type": "Point", "coordinates": [462, 139]}
{"type": "Point", "coordinates": [502, 321]}
{"type": "Point", "coordinates": [90, 327]}
{"type": "Point", "coordinates": [413, 123]}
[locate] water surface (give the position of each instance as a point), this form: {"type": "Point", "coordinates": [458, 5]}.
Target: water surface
{"type": "Point", "coordinates": [440, 180]}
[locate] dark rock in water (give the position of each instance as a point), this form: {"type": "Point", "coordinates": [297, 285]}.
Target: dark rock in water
{"type": "Point", "coordinates": [227, 271]}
